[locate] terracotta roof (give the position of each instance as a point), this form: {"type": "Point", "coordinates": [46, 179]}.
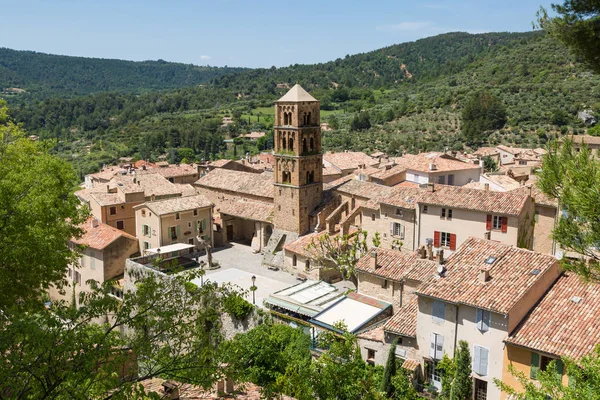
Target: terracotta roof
{"type": "Point", "coordinates": [246, 391]}
{"type": "Point", "coordinates": [185, 189]}
{"type": "Point", "coordinates": [512, 274]}
{"type": "Point", "coordinates": [388, 172]}
{"type": "Point", "coordinates": [176, 204]}
{"type": "Point", "coordinates": [266, 158]}
{"type": "Point", "coordinates": [107, 173]}
{"type": "Point", "coordinates": [410, 365]}
{"type": "Point", "coordinates": [486, 151]}
{"type": "Point", "coordinates": [397, 196]}
{"type": "Point", "coordinates": [512, 150]}
{"type": "Point", "coordinates": [98, 235]}
{"type": "Point", "coordinates": [404, 321]}
{"type": "Point", "coordinates": [236, 181]}
{"type": "Point", "coordinates": [372, 301]}
{"type": "Point", "coordinates": [220, 163]}
{"type": "Point", "coordinates": [106, 199]}
{"type": "Point", "coordinates": [247, 209]}
{"type": "Point", "coordinates": [375, 334]}
{"type": "Point", "coordinates": [329, 169]}
{"type": "Point", "coordinates": [151, 184]}
{"type": "Point", "coordinates": [407, 184]}
{"type": "Point", "coordinates": [443, 162]}
{"type": "Point", "coordinates": [296, 94]}
{"type": "Point", "coordinates": [350, 160]}
{"type": "Point", "coordinates": [541, 198]}
{"type": "Point", "coordinates": [84, 194]}
{"type": "Point", "coordinates": [378, 154]}
{"type": "Point", "coordinates": [362, 189]}
{"type": "Point", "coordinates": [395, 265]}
{"type": "Point", "coordinates": [587, 139]}
{"type": "Point", "coordinates": [300, 245]}
{"type": "Point", "coordinates": [504, 181]}
{"type": "Point", "coordinates": [172, 171]}
{"type": "Point", "coordinates": [508, 203]}
{"type": "Point", "coordinates": [139, 164]}
{"type": "Point", "coordinates": [564, 322]}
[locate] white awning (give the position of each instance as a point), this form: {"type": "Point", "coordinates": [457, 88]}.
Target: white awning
{"type": "Point", "coordinates": [170, 248]}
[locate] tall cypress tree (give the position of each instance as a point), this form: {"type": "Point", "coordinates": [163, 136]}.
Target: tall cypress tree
{"type": "Point", "coordinates": [389, 371]}
{"type": "Point", "coordinates": [462, 385]}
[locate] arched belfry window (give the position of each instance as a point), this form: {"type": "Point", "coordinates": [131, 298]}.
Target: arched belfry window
{"type": "Point", "coordinates": [304, 148]}
{"type": "Point", "coordinates": [312, 144]}
{"type": "Point", "coordinates": [283, 143]}
{"type": "Point", "coordinates": [291, 144]}
{"type": "Point", "coordinates": [308, 119]}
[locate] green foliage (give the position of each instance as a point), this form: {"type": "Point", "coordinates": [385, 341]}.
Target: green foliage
{"type": "Point", "coordinates": [390, 371]}
{"type": "Point", "coordinates": [447, 368]}
{"type": "Point", "coordinates": [376, 239]}
{"type": "Point", "coordinates": [38, 212]}
{"type": "Point", "coordinates": [483, 113]}
{"type": "Point", "coordinates": [237, 306]}
{"type": "Point", "coordinates": [403, 388]}
{"type": "Point", "coordinates": [462, 383]}
{"type": "Point", "coordinates": [573, 178]}
{"type": "Point", "coordinates": [577, 25]}
{"type": "Point", "coordinates": [489, 164]}
{"type": "Point", "coordinates": [360, 122]}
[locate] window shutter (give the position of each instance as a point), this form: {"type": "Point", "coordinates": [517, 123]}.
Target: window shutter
{"type": "Point", "coordinates": [559, 367]}
{"type": "Point", "coordinates": [483, 360]}
{"type": "Point", "coordinates": [203, 223]}
{"type": "Point", "coordinates": [504, 224]}
{"type": "Point", "coordinates": [391, 229]}
{"type": "Point", "coordinates": [488, 224]}
{"type": "Point", "coordinates": [195, 227]}
{"type": "Point", "coordinates": [401, 231]}
{"type": "Point", "coordinates": [439, 311]}
{"type": "Point", "coordinates": [452, 241]}
{"type": "Point", "coordinates": [535, 365]}
{"type": "Point", "coordinates": [432, 345]}
{"type": "Point", "coordinates": [436, 239]}
{"type": "Point", "coordinates": [439, 347]}
{"type": "Point", "coordinates": [177, 230]}
{"type": "Point", "coordinates": [476, 359]}
{"type": "Point", "coordinates": [479, 319]}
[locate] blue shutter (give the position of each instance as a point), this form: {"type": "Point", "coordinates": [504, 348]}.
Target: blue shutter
{"type": "Point", "coordinates": [483, 360]}
{"type": "Point", "coordinates": [476, 359]}
{"type": "Point", "coordinates": [439, 311]}
{"type": "Point", "coordinates": [439, 347]}
{"type": "Point", "coordinates": [485, 321]}
{"type": "Point", "coordinates": [479, 319]}
{"type": "Point", "coordinates": [432, 345]}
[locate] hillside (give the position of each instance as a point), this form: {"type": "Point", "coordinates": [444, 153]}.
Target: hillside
{"type": "Point", "coordinates": [540, 83]}
{"type": "Point", "coordinates": [43, 75]}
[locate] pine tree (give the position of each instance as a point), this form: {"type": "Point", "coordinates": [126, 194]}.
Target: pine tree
{"type": "Point", "coordinates": [462, 385]}
{"type": "Point", "coordinates": [389, 371]}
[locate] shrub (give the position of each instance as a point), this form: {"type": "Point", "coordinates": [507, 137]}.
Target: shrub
{"type": "Point", "coordinates": [236, 306]}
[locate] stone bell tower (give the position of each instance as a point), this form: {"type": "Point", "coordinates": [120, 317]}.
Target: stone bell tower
{"type": "Point", "coordinates": [298, 172]}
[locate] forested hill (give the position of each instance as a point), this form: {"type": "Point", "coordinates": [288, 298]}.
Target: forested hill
{"type": "Point", "coordinates": [43, 75]}
{"type": "Point", "coordinates": [387, 67]}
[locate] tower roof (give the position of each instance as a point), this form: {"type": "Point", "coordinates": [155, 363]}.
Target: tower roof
{"type": "Point", "coordinates": [297, 94]}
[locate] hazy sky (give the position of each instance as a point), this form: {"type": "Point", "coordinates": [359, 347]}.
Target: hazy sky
{"type": "Point", "coordinates": [250, 33]}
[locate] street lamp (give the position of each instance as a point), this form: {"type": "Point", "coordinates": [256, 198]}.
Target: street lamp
{"type": "Point", "coordinates": [253, 289]}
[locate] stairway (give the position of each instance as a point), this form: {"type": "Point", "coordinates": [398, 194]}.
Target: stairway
{"type": "Point", "coordinates": [273, 251]}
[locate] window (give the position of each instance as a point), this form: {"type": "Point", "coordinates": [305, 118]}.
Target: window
{"type": "Point", "coordinates": [398, 212]}
{"type": "Point", "coordinates": [480, 360]}
{"type": "Point", "coordinates": [307, 265]}
{"type": "Point", "coordinates": [191, 241]}
{"type": "Point", "coordinates": [497, 222]}
{"type": "Point", "coordinates": [436, 346]}
{"type": "Point", "coordinates": [445, 239]}
{"type": "Point", "coordinates": [397, 229]}
{"type": "Point", "coordinates": [438, 311]}
{"type": "Point", "coordinates": [146, 230]}
{"type": "Point", "coordinates": [143, 213]}
{"type": "Point", "coordinates": [536, 218]}
{"type": "Point", "coordinates": [113, 210]}
{"type": "Point", "coordinates": [522, 162]}
{"type": "Point", "coordinates": [433, 374]}
{"type": "Point", "coordinates": [371, 356]}
{"type": "Point", "coordinates": [541, 363]}
{"type": "Point", "coordinates": [146, 245]}
{"type": "Point", "coordinates": [120, 225]}
{"type": "Point", "coordinates": [195, 212]}
{"type": "Point", "coordinates": [174, 232]}
{"type": "Point", "coordinates": [480, 392]}
{"type": "Point", "coordinates": [425, 209]}
{"type": "Point", "coordinates": [442, 179]}
{"type": "Point", "coordinates": [446, 213]}
{"type": "Point", "coordinates": [294, 261]}
{"type": "Point", "coordinates": [92, 260]}
{"type": "Point", "coordinates": [483, 320]}
{"type": "Point", "coordinates": [177, 216]}
{"type": "Point", "coordinates": [189, 224]}
{"type": "Point", "coordinates": [372, 217]}
{"type": "Point", "coordinates": [443, 213]}
{"type": "Point", "coordinates": [449, 213]}
{"type": "Point", "coordinates": [451, 180]}
{"type": "Point", "coordinates": [384, 283]}
{"type": "Point", "coordinates": [77, 277]}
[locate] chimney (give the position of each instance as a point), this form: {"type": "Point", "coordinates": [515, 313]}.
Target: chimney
{"type": "Point", "coordinates": [108, 188]}
{"type": "Point", "coordinates": [170, 390]}
{"type": "Point", "coordinates": [432, 167]}
{"type": "Point", "coordinates": [95, 223]}
{"type": "Point", "coordinates": [480, 163]}
{"type": "Point", "coordinates": [373, 260]}
{"type": "Point", "coordinates": [422, 253]}
{"type": "Point", "coordinates": [430, 187]}
{"type": "Point", "coordinates": [484, 275]}
{"type": "Point", "coordinates": [440, 257]}
{"type": "Point", "coordinates": [430, 251]}
{"type": "Point", "coordinates": [143, 167]}
{"type": "Point", "coordinates": [486, 186]}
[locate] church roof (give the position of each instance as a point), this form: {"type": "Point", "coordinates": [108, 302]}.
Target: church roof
{"type": "Point", "coordinates": [297, 94]}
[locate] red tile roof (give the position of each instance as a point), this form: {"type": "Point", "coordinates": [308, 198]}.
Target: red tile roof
{"type": "Point", "coordinates": [236, 181]}
{"type": "Point", "coordinates": [98, 235]}
{"type": "Point", "coordinates": [560, 325]}
{"type": "Point", "coordinates": [349, 160]}
{"type": "Point", "coordinates": [300, 245]}
{"type": "Point", "coordinates": [393, 264]}
{"type": "Point", "coordinates": [397, 196]}
{"type": "Point", "coordinates": [443, 162]}
{"type": "Point", "coordinates": [247, 209]}
{"type": "Point", "coordinates": [404, 321]}
{"type": "Point", "coordinates": [508, 203]}
{"type": "Point", "coordinates": [375, 334]}
{"type": "Point", "coordinates": [176, 204]}
{"type": "Point", "coordinates": [512, 274]}
{"type": "Point", "coordinates": [366, 190]}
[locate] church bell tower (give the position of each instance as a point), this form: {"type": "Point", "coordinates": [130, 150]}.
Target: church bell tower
{"type": "Point", "coordinates": [298, 171]}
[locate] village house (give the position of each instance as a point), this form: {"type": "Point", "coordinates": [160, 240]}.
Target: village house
{"type": "Point", "coordinates": [345, 163]}
{"type": "Point", "coordinates": [447, 216]}
{"type": "Point", "coordinates": [480, 295]}
{"type": "Point", "coordinates": [491, 152]}
{"type": "Point", "coordinates": [182, 173]}
{"type": "Point", "coordinates": [104, 250]}
{"type": "Point", "coordinates": [558, 326]}
{"type": "Point", "coordinates": [592, 143]}
{"type": "Point", "coordinates": [439, 168]}
{"type": "Point", "coordinates": [177, 220]}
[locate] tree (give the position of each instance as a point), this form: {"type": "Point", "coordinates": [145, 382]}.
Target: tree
{"type": "Point", "coordinates": [577, 25]}
{"type": "Point", "coordinates": [38, 213]}
{"type": "Point", "coordinates": [462, 383]}
{"type": "Point", "coordinates": [447, 368]}
{"type": "Point", "coordinates": [339, 252]}
{"type": "Point", "coordinates": [483, 113]}
{"type": "Point", "coordinates": [584, 380]}
{"type": "Point", "coordinates": [390, 371]}
{"type": "Point", "coordinates": [573, 178]}
{"type": "Point", "coordinates": [489, 164]}
{"type": "Point", "coordinates": [403, 388]}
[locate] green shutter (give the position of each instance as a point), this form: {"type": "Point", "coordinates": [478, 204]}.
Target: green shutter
{"type": "Point", "coordinates": [559, 367]}
{"type": "Point", "coordinates": [535, 365]}
{"type": "Point", "coordinates": [203, 225]}
{"type": "Point", "coordinates": [177, 230]}
{"type": "Point", "coordinates": [195, 227]}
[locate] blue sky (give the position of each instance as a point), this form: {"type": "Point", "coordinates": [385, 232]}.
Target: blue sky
{"type": "Point", "coordinates": [249, 33]}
